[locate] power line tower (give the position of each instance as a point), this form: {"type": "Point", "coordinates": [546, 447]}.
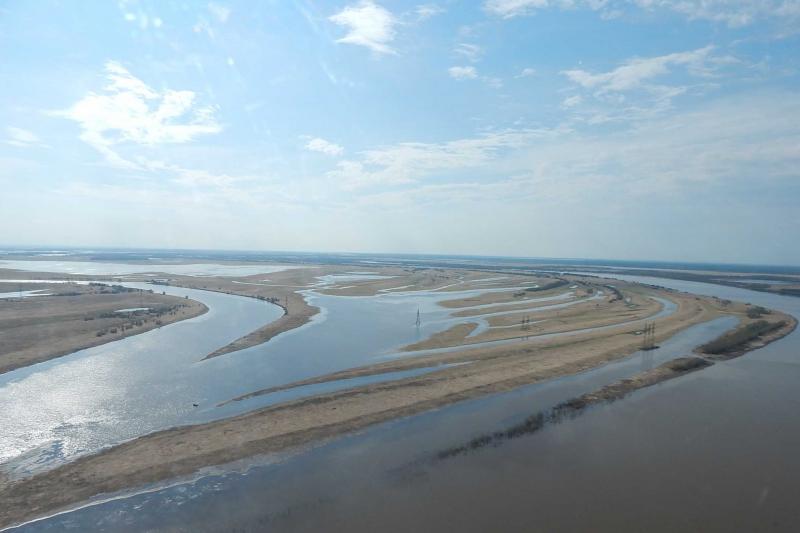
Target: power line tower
{"type": "Point", "coordinates": [649, 340]}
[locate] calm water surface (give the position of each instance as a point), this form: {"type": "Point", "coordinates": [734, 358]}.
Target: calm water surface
{"type": "Point", "coordinates": [716, 450]}
{"type": "Point", "coordinates": [58, 410]}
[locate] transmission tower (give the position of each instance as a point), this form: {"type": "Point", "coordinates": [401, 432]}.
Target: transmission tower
{"type": "Point", "coordinates": [649, 340]}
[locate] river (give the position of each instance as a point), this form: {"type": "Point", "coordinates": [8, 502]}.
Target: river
{"type": "Point", "coordinates": [58, 410]}
{"type": "Point", "coordinates": [715, 450]}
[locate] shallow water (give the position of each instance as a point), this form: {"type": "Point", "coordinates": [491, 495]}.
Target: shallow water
{"type": "Point", "coordinates": [23, 294]}
{"type": "Point", "coordinates": [715, 450]}
{"type": "Point", "coordinates": [66, 407]}
{"type": "Point", "coordinates": [99, 268]}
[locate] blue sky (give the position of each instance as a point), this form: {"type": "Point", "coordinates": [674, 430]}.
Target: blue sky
{"type": "Point", "coordinates": [632, 129]}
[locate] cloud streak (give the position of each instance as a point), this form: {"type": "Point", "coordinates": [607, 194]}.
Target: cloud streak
{"type": "Point", "coordinates": [733, 13]}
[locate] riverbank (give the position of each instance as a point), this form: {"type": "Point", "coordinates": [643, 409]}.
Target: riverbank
{"type": "Point", "coordinates": [179, 451]}
{"type": "Point", "coordinates": [74, 317]}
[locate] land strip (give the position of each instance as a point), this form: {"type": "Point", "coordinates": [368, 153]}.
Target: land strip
{"type": "Point", "coordinates": [75, 317]}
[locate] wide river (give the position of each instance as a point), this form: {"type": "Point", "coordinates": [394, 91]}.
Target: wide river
{"type": "Point", "coordinates": [714, 451]}
{"type": "Point", "coordinates": [70, 406]}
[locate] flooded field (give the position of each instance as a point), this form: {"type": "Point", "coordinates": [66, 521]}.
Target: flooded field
{"type": "Point", "coordinates": [662, 459]}
{"type": "Point", "coordinates": [55, 411]}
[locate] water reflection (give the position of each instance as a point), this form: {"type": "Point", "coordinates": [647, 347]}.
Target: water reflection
{"type": "Point", "coordinates": [713, 451]}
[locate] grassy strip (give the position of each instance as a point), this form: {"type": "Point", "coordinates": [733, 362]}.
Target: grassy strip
{"type": "Point", "coordinates": [574, 407]}
{"type": "Point", "coordinates": [738, 339]}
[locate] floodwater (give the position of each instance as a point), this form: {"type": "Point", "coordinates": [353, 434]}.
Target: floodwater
{"type": "Point", "coordinates": [715, 450]}
{"type": "Point", "coordinates": [61, 409]}
{"type": "Point", "coordinates": [22, 294]}
{"type": "Point", "coordinates": [96, 268]}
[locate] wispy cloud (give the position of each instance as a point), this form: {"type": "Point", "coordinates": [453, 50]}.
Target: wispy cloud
{"type": "Point", "coordinates": [724, 143]}
{"type": "Point", "coordinates": [127, 110]}
{"type": "Point", "coordinates": [572, 101]}
{"type": "Point", "coordinates": [220, 11]}
{"type": "Point", "coordinates": [21, 138]}
{"type": "Point", "coordinates": [472, 52]}
{"type": "Point", "coordinates": [323, 146]}
{"type": "Point", "coordinates": [526, 73]}
{"type": "Point", "coordinates": [471, 73]}
{"type": "Point", "coordinates": [643, 87]}
{"type": "Point", "coordinates": [634, 72]}
{"type": "Point", "coordinates": [733, 13]}
{"type": "Point", "coordinates": [462, 73]}
{"type": "Point", "coordinates": [515, 8]}
{"type": "Point", "coordinates": [409, 162]}
{"type": "Point", "coordinates": [426, 11]}
{"type": "Point", "coordinates": [368, 24]}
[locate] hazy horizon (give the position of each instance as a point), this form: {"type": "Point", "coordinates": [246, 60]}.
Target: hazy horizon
{"type": "Point", "coordinates": [52, 248]}
{"type": "Point", "coordinates": [625, 129]}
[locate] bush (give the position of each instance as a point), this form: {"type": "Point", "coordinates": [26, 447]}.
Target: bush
{"type": "Point", "coordinates": [736, 339]}
{"type": "Point", "coordinates": [757, 312]}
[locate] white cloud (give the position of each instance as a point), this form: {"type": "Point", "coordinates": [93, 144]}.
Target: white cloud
{"type": "Point", "coordinates": [472, 52]}
{"type": "Point", "coordinates": [322, 146]}
{"type": "Point", "coordinates": [641, 88]}
{"type": "Point", "coordinates": [572, 101]}
{"type": "Point", "coordinates": [634, 72]}
{"type": "Point", "coordinates": [21, 138]}
{"type": "Point", "coordinates": [470, 73]}
{"type": "Point", "coordinates": [426, 11]}
{"type": "Point", "coordinates": [127, 110]}
{"type": "Point", "coordinates": [526, 73]}
{"type": "Point", "coordinates": [368, 24]}
{"type": "Point", "coordinates": [409, 162]}
{"type": "Point", "coordinates": [221, 12]}
{"type": "Point", "coordinates": [734, 13]}
{"type": "Point", "coordinates": [729, 141]}
{"type": "Point", "coordinates": [462, 73]}
{"type": "Point", "coordinates": [514, 8]}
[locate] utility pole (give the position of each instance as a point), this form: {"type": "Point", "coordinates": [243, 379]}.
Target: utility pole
{"type": "Point", "coordinates": [649, 341]}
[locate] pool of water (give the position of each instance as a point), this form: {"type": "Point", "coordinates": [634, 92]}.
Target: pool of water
{"type": "Point", "coordinates": [715, 450]}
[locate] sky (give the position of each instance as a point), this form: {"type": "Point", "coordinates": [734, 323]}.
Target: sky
{"type": "Point", "coordinates": [619, 129]}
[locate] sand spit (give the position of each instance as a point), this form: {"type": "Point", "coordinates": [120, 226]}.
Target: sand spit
{"type": "Point", "coordinates": [75, 317]}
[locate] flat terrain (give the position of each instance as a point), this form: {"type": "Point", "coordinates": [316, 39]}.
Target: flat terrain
{"type": "Point", "coordinates": [74, 317]}
{"type": "Point", "coordinates": [285, 289]}
{"type": "Point", "coordinates": [528, 357]}
{"type": "Point", "coordinates": [281, 288]}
